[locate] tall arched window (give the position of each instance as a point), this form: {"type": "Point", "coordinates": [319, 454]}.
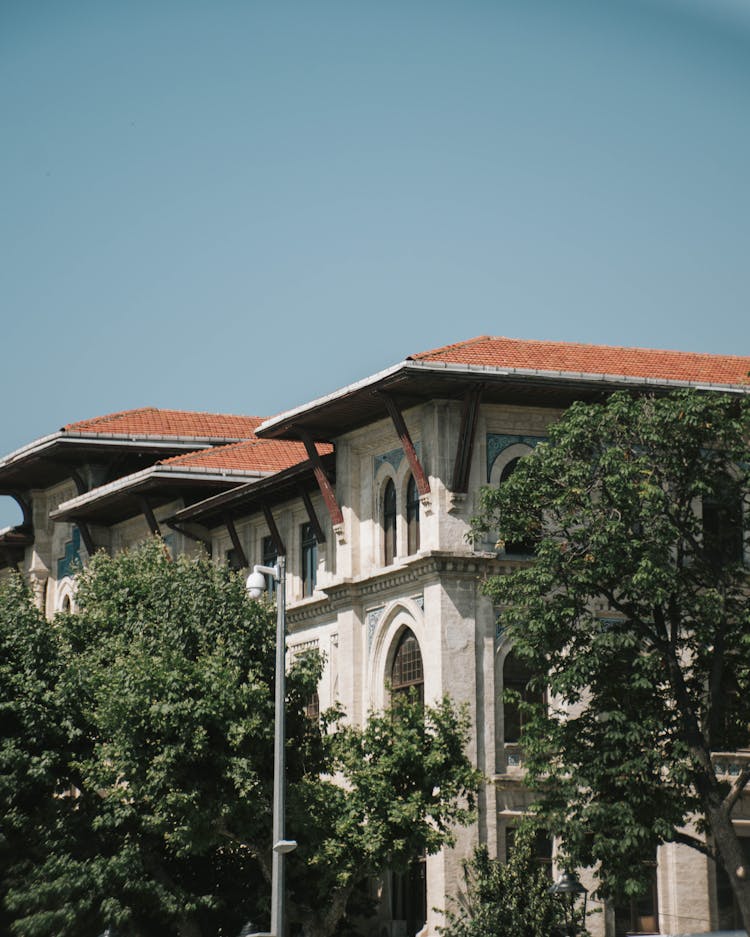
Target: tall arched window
{"type": "Point", "coordinates": [412, 516]}
{"type": "Point", "coordinates": [407, 670]}
{"type": "Point", "coordinates": [527, 545]}
{"type": "Point", "coordinates": [516, 677]}
{"type": "Point", "coordinates": [389, 522]}
{"type": "Point", "coordinates": [409, 889]}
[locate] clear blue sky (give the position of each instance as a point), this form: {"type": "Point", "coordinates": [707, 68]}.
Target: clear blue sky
{"type": "Point", "coordinates": [238, 206]}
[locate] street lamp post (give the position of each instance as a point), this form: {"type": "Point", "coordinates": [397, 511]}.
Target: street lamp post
{"type": "Point", "coordinates": [256, 584]}
{"type": "Point", "coordinates": [568, 889]}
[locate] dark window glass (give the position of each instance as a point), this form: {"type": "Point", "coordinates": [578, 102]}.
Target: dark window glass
{"type": "Point", "coordinates": [309, 559]}
{"type": "Point", "coordinates": [639, 915]}
{"type": "Point", "coordinates": [270, 556]}
{"type": "Point", "coordinates": [527, 546]}
{"type": "Point", "coordinates": [409, 896]}
{"type": "Point", "coordinates": [312, 707]}
{"type": "Point", "coordinates": [389, 522]}
{"type": "Point", "coordinates": [412, 516]}
{"type": "Point", "coordinates": [233, 559]}
{"type": "Point", "coordinates": [516, 676]}
{"type": "Point", "coordinates": [722, 524]}
{"type": "Point", "coordinates": [407, 670]}
{"type": "Point", "coordinates": [542, 848]}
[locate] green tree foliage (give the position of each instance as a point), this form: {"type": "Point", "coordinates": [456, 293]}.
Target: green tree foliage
{"type": "Point", "coordinates": [147, 778]}
{"type": "Point", "coordinates": [634, 618]}
{"type": "Point", "coordinates": [508, 899]}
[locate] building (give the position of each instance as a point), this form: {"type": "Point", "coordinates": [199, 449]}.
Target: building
{"type": "Point", "coordinates": [369, 493]}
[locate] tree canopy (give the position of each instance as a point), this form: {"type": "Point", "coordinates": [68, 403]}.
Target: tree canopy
{"type": "Point", "coordinates": [505, 899]}
{"type": "Point", "coordinates": [137, 763]}
{"type": "Point", "coordinates": [634, 619]}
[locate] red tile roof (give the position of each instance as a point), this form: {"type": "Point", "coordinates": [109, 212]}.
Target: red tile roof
{"type": "Point", "coordinates": [577, 358]}
{"type": "Point", "coordinates": [260, 455]}
{"type": "Point", "coordinates": [150, 421]}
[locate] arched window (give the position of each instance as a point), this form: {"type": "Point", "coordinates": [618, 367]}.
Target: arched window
{"type": "Point", "coordinates": [389, 522]}
{"type": "Point", "coordinates": [412, 516]}
{"type": "Point", "coordinates": [526, 546]}
{"type": "Point", "coordinates": [409, 889]}
{"type": "Point", "coordinates": [407, 670]}
{"type": "Point", "coordinates": [516, 677]}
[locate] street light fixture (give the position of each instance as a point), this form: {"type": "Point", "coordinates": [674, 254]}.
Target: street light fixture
{"type": "Point", "coordinates": [568, 890]}
{"type": "Point", "coordinates": [256, 584]}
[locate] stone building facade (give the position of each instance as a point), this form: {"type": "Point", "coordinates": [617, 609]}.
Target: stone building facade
{"type": "Point", "coordinates": [369, 493]}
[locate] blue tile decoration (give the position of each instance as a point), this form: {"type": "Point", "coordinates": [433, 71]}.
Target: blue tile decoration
{"type": "Point", "coordinates": [497, 442]}
{"type": "Point", "coordinates": [393, 458]}
{"type": "Point", "coordinates": [70, 562]}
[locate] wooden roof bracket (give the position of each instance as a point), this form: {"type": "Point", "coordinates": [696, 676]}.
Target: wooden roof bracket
{"type": "Point", "coordinates": [238, 548]}
{"type": "Point", "coordinates": [24, 504]}
{"type": "Point", "coordinates": [326, 488]}
{"type": "Point", "coordinates": [148, 513]}
{"type": "Point", "coordinates": [196, 532]}
{"type": "Point", "coordinates": [420, 476]}
{"type": "Point", "coordinates": [273, 530]}
{"type": "Point", "coordinates": [88, 540]}
{"type": "Point", "coordinates": [466, 439]}
{"type": "Point", "coordinates": [313, 517]}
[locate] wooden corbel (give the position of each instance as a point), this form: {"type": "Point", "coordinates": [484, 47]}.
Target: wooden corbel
{"type": "Point", "coordinates": [148, 513]}
{"type": "Point", "coordinates": [420, 476]}
{"type": "Point", "coordinates": [326, 488]}
{"type": "Point", "coordinates": [312, 516]}
{"type": "Point", "coordinates": [238, 548]}
{"type": "Point", "coordinates": [466, 438]}
{"type": "Point", "coordinates": [273, 530]}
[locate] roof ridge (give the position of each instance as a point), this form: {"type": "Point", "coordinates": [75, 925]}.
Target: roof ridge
{"type": "Point", "coordinates": [572, 344]}
{"type": "Point", "coordinates": [163, 411]}
{"type": "Point", "coordinates": [468, 341]}
{"type": "Point", "coordinates": [104, 417]}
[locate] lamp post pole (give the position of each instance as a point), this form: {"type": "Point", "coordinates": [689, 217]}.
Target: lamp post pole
{"type": "Point", "coordinates": [255, 586]}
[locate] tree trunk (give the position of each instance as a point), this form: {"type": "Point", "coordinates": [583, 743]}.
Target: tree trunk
{"type": "Point", "coordinates": [188, 927]}
{"type": "Point", "coordinates": [732, 858]}
{"type": "Point", "coordinates": [324, 923]}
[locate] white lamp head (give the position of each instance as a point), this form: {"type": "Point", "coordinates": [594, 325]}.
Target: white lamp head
{"type": "Point", "coordinates": [255, 585]}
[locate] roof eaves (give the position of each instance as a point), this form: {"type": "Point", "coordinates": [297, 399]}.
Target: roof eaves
{"type": "Point", "coordinates": [154, 437]}
{"type": "Point", "coordinates": [137, 479]}
{"type": "Point", "coordinates": [574, 376]}
{"type": "Point", "coordinates": [38, 445]}
{"type": "Point", "coordinates": [320, 402]}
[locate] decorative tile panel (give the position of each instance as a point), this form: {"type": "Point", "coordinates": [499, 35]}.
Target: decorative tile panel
{"type": "Point", "coordinates": [498, 442]}
{"type": "Point", "coordinates": [393, 458]}
{"type": "Point", "coordinates": [70, 561]}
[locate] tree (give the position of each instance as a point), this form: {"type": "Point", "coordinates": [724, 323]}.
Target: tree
{"type": "Point", "coordinates": [634, 619]}
{"type": "Point", "coordinates": [505, 899]}
{"type": "Point", "coordinates": [165, 679]}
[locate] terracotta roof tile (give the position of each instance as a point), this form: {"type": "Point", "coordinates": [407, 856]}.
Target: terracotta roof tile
{"type": "Point", "coordinates": [572, 357]}
{"type": "Point", "coordinates": [150, 421]}
{"type": "Point", "coordinates": [260, 455]}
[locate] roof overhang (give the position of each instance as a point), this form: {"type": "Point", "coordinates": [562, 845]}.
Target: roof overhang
{"type": "Point", "coordinates": [13, 544]}
{"type": "Point", "coordinates": [49, 460]}
{"type": "Point", "coordinates": [414, 382]}
{"type": "Point", "coordinates": [121, 499]}
{"type": "Point", "coordinates": [249, 498]}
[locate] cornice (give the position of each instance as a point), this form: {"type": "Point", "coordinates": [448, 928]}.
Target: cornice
{"type": "Point", "coordinates": [424, 568]}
